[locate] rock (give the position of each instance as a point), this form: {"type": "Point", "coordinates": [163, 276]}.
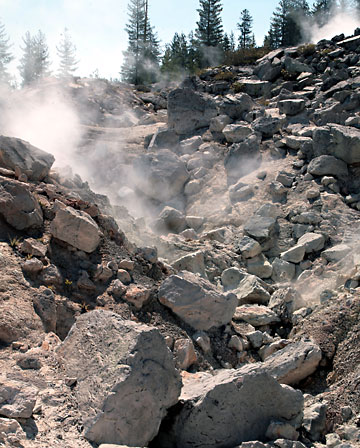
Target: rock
{"type": "Point", "coordinates": [267, 126]}
{"type": "Point", "coordinates": [259, 266]}
{"type": "Point", "coordinates": [336, 253]}
{"type": "Point", "coordinates": [193, 262]}
{"type": "Point", "coordinates": [230, 406]}
{"type": "Point", "coordinates": [240, 192]}
{"type": "Point", "coordinates": [236, 343]}
{"type": "Point", "coordinates": [291, 107]}
{"type": "Point", "coordinates": [203, 341]}
{"type": "Point", "coordinates": [345, 143]}
{"type": "Point", "coordinates": [260, 227]}
{"type": "Point", "coordinates": [282, 270]}
{"type": "Point", "coordinates": [248, 247]}
{"type": "Point", "coordinates": [189, 110]}
{"type": "Point", "coordinates": [254, 87]}
{"type": "Point", "coordinates": [33, 247]}
{"type": "Point", "coordinates": [315, 421]}
{"type": "Point", "coordinates": [164, 138]}
{"type": "Point", "coordinates": [256, 315]}
{"type": "Point", "coordinates": [243, 158]}
{"type": "Point", "coordinates": [231, 277]}
{"type": "Point", "coordinates": [313, 242]}
{"type": "Point", "coordinates": [285, 302]}
{"type": "Point", "coordinates": [280, 430]}
{"type": "Point", "coordinates": [29, 361]}
{"type": "Point", "coordinates": [116, 289]}
{"type": "Point", "coordinates": [11, 432]}
{"type": "Point", "coordinates": [148, 253]}
{"type": "Point", "coordinates": [18, 206]}
{"type": "Point", "coordinates": [45, 308]}
{"type": "Point", "coordinates": [123, 276]}
{"type": "Point", "coordinates": [171, 220]}
{"type": "Point", "coordinates": [327, 165]}
{"type": "Point", "coordinates": [129, 265]}
{"type": "Point", "coordinates": [125, 375]}
{"type": "Point", "coordinates": [295, 67]}
{"type": "Point", "coordinates": [184, 353]}
{"type": "Point", "coordinates": [191, 145]}
{"type": "Point", "coordinates": [32, 161]}
{"type": "Point", "coordinates": [137, 295]}
{"type": "Point", "coordinates": [32, 267]}
{"type": "Point", "coordinates": [236, 133]}
{"type": "Point", "coordinates": [17, 399]}
{"type": "Point", "coordinates": [267, 350]}
{"type": "Point", "coordinates": [196, 301]}
{"type": "Point", "coordinates": [294, 255]}
{"type": "Point", "coordinates": [76, 228]}
{"type": "Point", "coordinates": [218, 123]}
{"type": "Point", "coordinates": [251, 290]}
{"type": "Point", "coordinates": [160, 175]}
{"type": "Point", "coordinates": [235, 105]}
{"type": "Point", "coordinates": [293, 363]}
{"type": "Point", "coordinates": [286, 179]}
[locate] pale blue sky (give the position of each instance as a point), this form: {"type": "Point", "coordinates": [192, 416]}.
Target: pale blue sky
{"type": "Point", "coordinates": [97, 26]}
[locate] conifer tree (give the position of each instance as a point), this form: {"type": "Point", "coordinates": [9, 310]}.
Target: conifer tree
{"type": "Point", "coordinates": [5, 55]}
{"type": "Point", "coordinates": [41, 55]}
{"type": "Point", "coordinates": [35, 62]}
{"type": "Point", "coordinates": [209, 30]}
{"type": "Point", "coordinates": [66, 52]}
{"type": "Point", "coordinates": [246, 39]}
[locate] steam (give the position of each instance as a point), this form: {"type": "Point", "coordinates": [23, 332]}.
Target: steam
{"type": "Point", "coordinates": [340, 21]}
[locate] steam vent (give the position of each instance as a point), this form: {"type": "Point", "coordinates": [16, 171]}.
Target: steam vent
{"type": "Point", "coordinates": [180, 260]}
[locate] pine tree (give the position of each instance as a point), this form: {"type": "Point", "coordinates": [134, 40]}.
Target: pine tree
{"type": "Point", "coordinates": [41, 56]}
{"type": "Point", "coordinates": [141, 59]}
{"type": "Point", "coordinates": [226, 43]}
{"type": "Point", "coordinates": [176, 56]}
{"type": "Point", "coordinates": [35, 62]}
{"type": "Point", "coordinates": [66, 52]}
{"type": "Point", "coordinates": [209, 30]}
{"type": "Point", "coordinates": [245, 27]}
{"type": "Point", "coordinates": [321, 11]}
{"type": "Point", "coordinates": [5, 55]}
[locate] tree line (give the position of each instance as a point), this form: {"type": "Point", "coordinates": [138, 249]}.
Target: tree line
{"type": "Point", "coordinates": [209, 45]}
{"type": "Point", "coordinates": [35, 60]}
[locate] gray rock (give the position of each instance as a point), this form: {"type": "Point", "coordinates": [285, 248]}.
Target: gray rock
{"type": "Point", "coordinates": [260, 227]}
{"type": "Point", "coordinates": [280, 430]}
{"type": "Point", "coordinates": [33, 247]}
{"type": "Point", "coordinates": [267, 126]}
{"type": "Point", "coordinates": [189, 110]}
{"type": "Point", "coordinates": [256, 315]}
{"type": "Point", "coordinates": [345, 143]}
{"type": "Point", "coordinates": [231, 277]}
{"type": "Point", "coordinates": [191, 145]}
{"type": "Point", "coordinates": [293, 363]}
{"type": "Point", "coordinates": [218, 123]}
{"type": "Point", "coordinates": [193, 262]}
{"type": "Point", "coordinates": [336, 253]}
{"type": "Point", "coordinates": [31, 161]}
{"type": "Point", "coordinates": [259, 266]}
{"type": "Point", "coordinates": [251, 289]}
{"type": "Point", "coordinates": [161, 175]}
{"type": "Point", "coordinates": [171, 220]}
{"type": "Point", "coordinates": [184, 353]}
{"type": "Point", "coordinates": [285, 302]}
{"type": "Point", "coordinates": [194, 222]}
{"type": "Point", "coordinates": [294, 66]}
{"type": "Point", "coordinates": [313, 242]}
{"type": "Point", "coordinates": [125, 375]}
{"type": "Point", "coordinates": [283, 271]}
{"type": "Point", "coordinates": [77, 228]}
{"type": "Point", "coordinates": [17, 399]}
{"type": "Point", "coordinates": [291, 107]}
{"type": "Point", "coordinates": [294, 255]}
{"type": "Point", "coordinates": [236, 133]}
{"type": "Point", "coordinates": [235, 105]}
{"type": "Point", "coordinates": [18, 206]}
{"type": "Point", "coordinates": [240, 192]}
{"type": "Point", "coordinates": [315, 421]}
{"type": "Point", "coordinates": [286, 179]}
{"type": "Point", "coordinates": [254, 87]}
{"type": "Point", "coordinates": [229, 407]}
{"type": "Point", "coordinates": [32, 266]}
{"type": "Point", "coordinates": [248, 247]}
{"type": "Point", "coordinates": [327, 166]}
{"type": "Point", "coordinates": [164, 138]}
{"type": "Point", "coordinates": [196, 301]}
{"type": "Point", "coordinates": [11, 432]}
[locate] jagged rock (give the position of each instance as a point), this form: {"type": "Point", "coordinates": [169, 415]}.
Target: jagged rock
{"type": "Point", "coordinates": [252, 290]}
{"type": "Point", "coordinates": [148, 253]}
{"type": "Point", "coordinates": [31, 161]}
{"type": "Point", "coordinates": [235, 105]}
{"type": "Point", "coordinates": [76, 228]}
{"type": "Point", "coordinates": [294, 255]}
{"type": "Point", "coordinates": [194, 262]}
{"type": "Point", "coordinates": [259, 266]}
{"type": "Point", "coordinates": [315, 421]}
{"type": "Point", "coordinates": [345, 143]}
{"type": "Point", "coordinates": [286, 179]}
{"type": "Point", "coordinates": [171, 220]}
{"type": "Point", "coordinates": [164, 138]}
{"type": "Point", "coordinates": [283, 271]}
{"type": "Point", "coordinates": [189, 110]}
{"type": "Point", "coordinates": [236, 133]}
{"type": "Point", "coordinates": [256, 315]}
{"type": "Point", "coordinates": [280, 430]}
{"type": "Point", "coordinates": [294, 66]}
{"type": "Point", "coordinates": [336, 253]}
{"type": "Point", "coordinates": [313, 242]}
{"type": "Point", "coordinates": [11, 432]}
{"type": "Point", "coordinates": [231, 277]}
{"type": "Point", "coordinates": [184, 353]}
{"type": "Point", "coordinates": [17, 399]}
{"type": "Point", "coordinates": [218, 123]}
{"type": "Point", "coordinates": [33, 266]}
{"type": "Point", "coordinates": [284, 302]}
{"type": "Point", "coordinates": [196, 301]}
{"type": "Point", "coordinates": [248, 401]}
{"type": "Point", "coordinates": [203, 341]}
{"type": "Point", "coordinates": [293, 363]}
{"type": "Point", "coordinates": [161, 175]}
{"type": "Point", "coordinates": [327, 166]}
{"type": "Point", "coordinates": [243, 158]}
{"type": "Point", "coordinates": [33, 247]}
{"type": "Point", "coordinates": [248, 247]}
{"type": "Point", "coordinates": [267, 126]}
{"type": "Point", "coordinates": [291, 107]}
{"type": "Point", "coordinates": [260, 227]}
{"type": "Point", "coordinates": [190, 145]}
{"type": "Point", "coordinates": [240, 192]}
{"type": "Point", "coordinates": [137, 295]}
{"type": "Point", "coordinates": [18, 205]}
{"type": "Point", "coordinates": [254, 87]}
{"type": "Point", "coordinates": [125, 375]}
{"type": "Point", "coordinates": [117, 289]}
{"type": "Point", "coordinates": [45, 308]}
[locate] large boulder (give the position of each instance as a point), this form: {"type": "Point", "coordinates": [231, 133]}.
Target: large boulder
{"type": "Point", "coordinates": [235, 105]}
{"type": "Point", "coordinates": [126, 378]}
{"type": "Point", "coordinates": [161, 175]}
{"type": "Point", "coordinates": [196, 301]}
{"type": "Point", "coordinates": [189, 110]}
{"type": "Point", "coordinates": [345, 143]}
{"type": "Point", "coordinates": [31, 161]}
{"type": "Point", "coordinates": [242, 158]}
{"type": "Point", "coordinates": [327, 166]}
{"type": "Point", "coordinates": [77, 228]}
{"type": "Point", "coordinates": [18, 206]}
{"type": "Point", "coordinates": [227, 408]}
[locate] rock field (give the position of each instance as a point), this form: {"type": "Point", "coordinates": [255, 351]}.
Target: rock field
{"type": "Point", "coordinates": [205, 291]}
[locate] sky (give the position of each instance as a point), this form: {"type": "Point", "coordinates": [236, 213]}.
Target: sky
{"type": "Point", "coordinates": [97, 26]}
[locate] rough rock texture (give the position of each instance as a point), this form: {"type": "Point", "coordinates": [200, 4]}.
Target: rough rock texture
{"type": "Point", "coordinates": [76, 228]}
{"type": "Point", "coordinates": [230, 407]}
{"type": "Point", "coordinates": [18, 206]}
{"type": "Point", "coordinates": [17, 399]}
{"type": "Point", "coordinates": [31, 161]}
{"type": "Point", "coordinates": [125, 375]}
{"type": "Point", "coordinates": [196, 301]}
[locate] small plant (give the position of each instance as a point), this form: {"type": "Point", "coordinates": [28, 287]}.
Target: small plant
{"type": "Point", "coordinates": [287, 76]}
{"type": "Point", "coordinates": [14, 241]}
{"type": "Point", "coordinates": [29, 256]}
{"type": "Point", "coordinates": [84, 307]}
{"type": "Point", "coordinates": [51, 287]}
{"type": "Point", "coordinates": [306, 49]}
{"type": "Point", "coordinates": [238, 87]}
{"type": "Point", "coordinates": [263, 102]}
{"type": "Point", "coordinates": [325, 52]}
{"type": "Point", "coordinates": [68, 282]}
{"type": "Point", "coordinates": [224, 76]}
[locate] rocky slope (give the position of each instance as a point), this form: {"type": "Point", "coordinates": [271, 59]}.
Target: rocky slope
{"type": "Point", "coordinates": [213, 301]}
